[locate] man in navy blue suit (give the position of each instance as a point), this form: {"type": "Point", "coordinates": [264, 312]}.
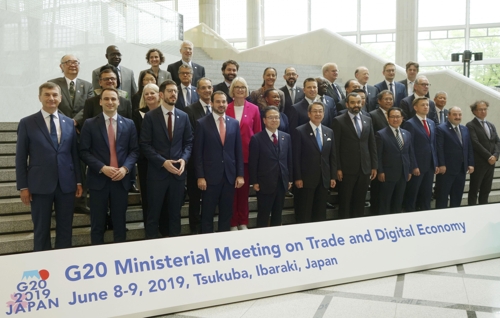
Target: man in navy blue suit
{"type": "Point", "coordinates": [455, 158]}
{"type": "Point", "coordinates": [166, 141]}
{"type": "Point", "coordinates": [48, 168]}
{"type": "Point", "coordinates": [186, 51]}
{"type": "Point", "coordinates": [396, 160]}
{"type": "Point", "coordinates": [270, 168]}
{"type": "Point", "coordinates": [218, 159]}
{"type": "Point", "coordinates": [311, 92]}
{"type": "Point", "coordinates": [187, 94]}
{"type": "Point", "coordinates": [109, 147]}
{"type": "Point", "coordinates": [418, 193]}
{"type": "Point", "coordinates": [397, 89]}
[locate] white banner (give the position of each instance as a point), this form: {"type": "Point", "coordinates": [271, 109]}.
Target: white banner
{"type": "Point", "coordinates": [161, 276]}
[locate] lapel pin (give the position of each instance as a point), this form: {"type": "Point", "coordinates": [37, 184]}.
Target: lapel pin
{"type": "Point", "coordinates": [364, 121]}
{"type": "Point", "coordinates": [120, 121]}
{"type": "Point", "coordinates": [177, 116]}
{"type": "Point", "coordinates": [310, 134]}
{"type": "Point", "coordinates": [64, 121]}
{"type": "Point", "coordinates": [282, 137]}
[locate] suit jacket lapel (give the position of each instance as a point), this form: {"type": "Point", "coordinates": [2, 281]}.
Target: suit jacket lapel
{"type": "Point", "coordinates": [40, 121]}
{"type": "Point", "coordinates": [310, 131]}
{"type": "Point", "coordinates": [101, 123]}
{"type": "Point", "coordinates": [158, 115]}
{"type": "Point", "coordinates": [119, 126]}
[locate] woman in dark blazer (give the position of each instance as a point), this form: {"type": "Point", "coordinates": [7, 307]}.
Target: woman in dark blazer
{"type": "Point", "coordinates": [146, 77]}
{"type": "Point", "coordinates": [272, 98]}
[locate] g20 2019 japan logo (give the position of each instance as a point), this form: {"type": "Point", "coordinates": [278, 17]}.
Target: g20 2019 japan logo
{"type": "Point", "coordinates": [32, 293]}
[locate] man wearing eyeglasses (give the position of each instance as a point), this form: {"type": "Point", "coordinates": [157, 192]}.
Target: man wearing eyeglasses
{"type": "Point", "coordinates": [420, 89]}
{"type": "Point", "coordinates": [396, 160]}
{"type": "Point", "coordinates": [186, 51]}
{"type": "Point", "coordinates": [125, 75]}
{"type": "Point", "coordinates": [74, 91]}
{"type": "Point", "coordinates": [187, 92]}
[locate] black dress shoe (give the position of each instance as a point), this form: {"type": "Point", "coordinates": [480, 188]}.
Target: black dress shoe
{"type": "Point", "coordinates": [133, 189]}
{"type": "Point", "coordinates": [289, 194]}
{"type": "Point", "coordinates": [329, 205]}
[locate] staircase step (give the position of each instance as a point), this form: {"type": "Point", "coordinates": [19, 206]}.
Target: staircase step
{"type": "Point", "coordinates": [8, 161]}
{"type": "Point", "coordinates": [8, 127]}
{"type": "Point", "coordinates": [8, 149]}
{"type": "Point", "coordinates": [10, 136]}
{"type": "Point", "coordinates": [7, 175]}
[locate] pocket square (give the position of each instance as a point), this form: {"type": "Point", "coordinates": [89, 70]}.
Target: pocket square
{"type": "Point", "coordinates": [329, 139]}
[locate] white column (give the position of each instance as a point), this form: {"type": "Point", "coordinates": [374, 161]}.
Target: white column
{"type": "Point", "coordinates": [255, 24]}
{"type": "Point", "coordinates": [406, 31]}
{"type": "Point", "coordinates": [209, 14]}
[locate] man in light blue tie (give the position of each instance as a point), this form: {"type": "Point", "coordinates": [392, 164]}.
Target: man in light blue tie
{"type": "Point", "coordinates": [314, 166]}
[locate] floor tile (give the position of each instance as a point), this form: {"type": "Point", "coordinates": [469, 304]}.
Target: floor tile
{"type": "Point", "coordinates": [235, 310]}
{"type": "Point", "coordinates": [483, 292]}
{"type": "Point", "coordinates": [489, 267]}
{"type": "Point", "coordinates": [416, 311]}
{"type": "Point", "coordinates": [290, 305]}
{"type": "Point", "coordinates": [435, 288]}
{"type": "Point", "coordinates": [381, 286]}
{"type": "Point", "coordinates": [357, 308]}
{"type": "Point", "coordinates": [487, 315]}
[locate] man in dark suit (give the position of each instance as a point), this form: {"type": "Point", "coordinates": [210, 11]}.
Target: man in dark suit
{"type": "Point", "coordinates": [92, 107]}
{"type": "Point", "coordinates": [379, 115]}
{"type": "Point", "coordinates": [311, 94]}
{"type": "Point", "coordinates": [314, 166]}
{"type": "Point", "coordinates": [125, 75]}
{"type": "Point", "coordinates": [418, 192]}
{"type": "Point", "coordinates": [109, 147]}
{"type": "Point", "coordinates": [397, 89]}
{"type": "Point", "coordinates": [379, 121]}
{"type": "Point", "coordinates": [74, 91]}
{"type": "Point", "coordinates": [486, 146]}
{"type": "Point", "coordinates": [166, 141]}
{"type": "Point", "coordinates": [196, 111]}
{"type": "Point", "coordinates": [349, 86]}
{"type": "Point", "coordinates": [440, 102]}
{"type": "Point", "coordinates": [187, 92]}
{"type": "Point", "coordinates": [412, 69]}
{"type": "Point", "coordinates": [455, 159]}
{"type": "Point", "coordinates": [218, 159]}
{"type": "Point", "coordinates": [356, 152]}
{"type": "Point", "coordinates": [229, 71]}
{"type": "Point", "coordinates": [48, 169]}
{"type": "Point", "coordinates": [291, 89]}
{"type": "Point", "coordinates": [420, 89]}
{"type": "Point", "coordinates": [330, 73]}
{"type": "Point", "coordinates": [270, 168]}
{"type": "Point", "coordinates": [363, 75]}
{"type": "Point", "coordinates": [396, 160]}
{"type": "Point", "coordinates": [187, 54]}
{"type": "Point", "coordinates": [363, 110]}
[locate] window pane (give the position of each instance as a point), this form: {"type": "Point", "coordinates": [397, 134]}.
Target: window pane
{"type": "Point", "coordinates": [373, 19]}
{"type": "Point", "coordinates": [423, 35]}
{"type": "Point", "coordinates": [285, 17]}
{"type": "Point", "coordinates": [439, 34]}
{"type": "Point", "coordinates": [326, 14]}
{"type": "Point", "coordinates": [439, 50]}
{"type": "Point", "coordinates": [384, 50]}
{"type": "Point", "coordinates": [490, 46]}
{"type": "Point", "coordinates": [233, 19]}
{"type": "Point", "coordinates": [483, 11]}
{"type": "Point", "coordinates": [351, 38]}
{"type": "Point", "coordinates": [478, 32]}
{"type": "Point", "coordinates": [367, 38]}
{"type": "Point", "coordinates": [441, 13]}
{"type": "Point", "coordinates": [190, 11]}
{"type": "Point", "coordinates": [456, 33]}
{"type": "Point", "coordinates": [385, 37]}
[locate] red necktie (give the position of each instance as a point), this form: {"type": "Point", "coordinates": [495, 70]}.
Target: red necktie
{"type": "Point", "coordinates": [426, 128]}
{"type": "Point", "coordinates": [222, 130]}
{"type": "Point", "coordinates": [275, 140]}
{"type": "Point", "coordinates": [113, 161]}
{"type": "Point", "coordinates": [169, 121]}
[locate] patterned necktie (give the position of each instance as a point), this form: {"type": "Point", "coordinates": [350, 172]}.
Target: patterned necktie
{"type": "Point", "coordinates": [222, 130]}
{"type": "Point", "coordinates": [486, 128]}
{"type": "Point", "coordinates": [169, 128]}
{"type": "Point", "coordinates": [426, 127]}
{"type": "Point", "coordinates": [208, 110]}
{"type": "Point", "coordinates": [113, 161]}
{"type": "Point", "coordinates": [318, 139]}
{"type": "Point", "coordinates": [459, 135]}
{"type": "Point", "coordinates": [72, 92]}
{"type": "Point", "coordinates": [390, 88]}
{"type": "Point", "coordinates": [188, 96]}
{"type": "Point", "coordinates": [336, 92]}
{"type": "Point", "coordinates": [358, 128]}
{"type": "Point", "coordinates": [275, 140]}
{"type": "Point", "coordinates": [53, 132]}
{"type": "Point", "coordinates": [398, 138]}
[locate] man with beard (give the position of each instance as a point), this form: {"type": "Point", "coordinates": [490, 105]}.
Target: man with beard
{"type": "Point", "coordinates": [356, 152]}
{"type": "Point", "coordinates": [125, 76]}
{"type": "Point", "coordinates": [218, 160]}
{"type": "Point", "coordinates": [312, 93]}
{"type": "Point", "coordinates": [293, 93]}
{"type": "Point", "coordinates": [230, 70]}
{"type": "Point", "coordinates": [166, 141]}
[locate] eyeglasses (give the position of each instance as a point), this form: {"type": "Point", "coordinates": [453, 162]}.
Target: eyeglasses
{"type": "Point", "coordinates": [291, 74]}
{"type": "Point", "coordinates": [425, 85]}
{"type": "Point", "coordinates": [317, 111]}
{"type": "Point", "coordinates": [240, 87]}
{"type": "Point", "coordinates": [108, 79]}
{"type": "Point", "coordinates": [273, 118]}
{"type": "Point", "coordinates": [171, 91]}
{"type": "Point", "coordinates": [185, 73]}
{"type": "Point", "coordinates": [71, 62]}
{"type": "Point", "coordinates": [395, 117]}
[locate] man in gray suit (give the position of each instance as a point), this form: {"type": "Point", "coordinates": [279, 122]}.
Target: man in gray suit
{"type": "Point", "coordinates": [74, 91]}
{"type": "Point", "coordinates": [125, 75]}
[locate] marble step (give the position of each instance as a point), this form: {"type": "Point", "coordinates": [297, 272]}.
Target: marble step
{"type": "Point", "coordinates": [7, 174]}
{"type": "Point", "coordinates": [11, 126]}
{"type": "Point", "coordinates": [8, 137]}
{"type": "Point", "coordinates": [8, 161]}
{"type": "Point", "coordinates": [7, 149]}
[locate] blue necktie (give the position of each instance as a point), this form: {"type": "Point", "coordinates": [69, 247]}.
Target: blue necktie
{"type": "Point", "coordinates": [318, 139]}
{"type": "Point", "coordinates": [358, 128]}
{"type": "Point", "coordinates": [53, 132]}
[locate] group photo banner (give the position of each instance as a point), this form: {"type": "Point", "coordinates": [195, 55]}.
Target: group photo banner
{"type": "Point", "coordinates": [153, 277]}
